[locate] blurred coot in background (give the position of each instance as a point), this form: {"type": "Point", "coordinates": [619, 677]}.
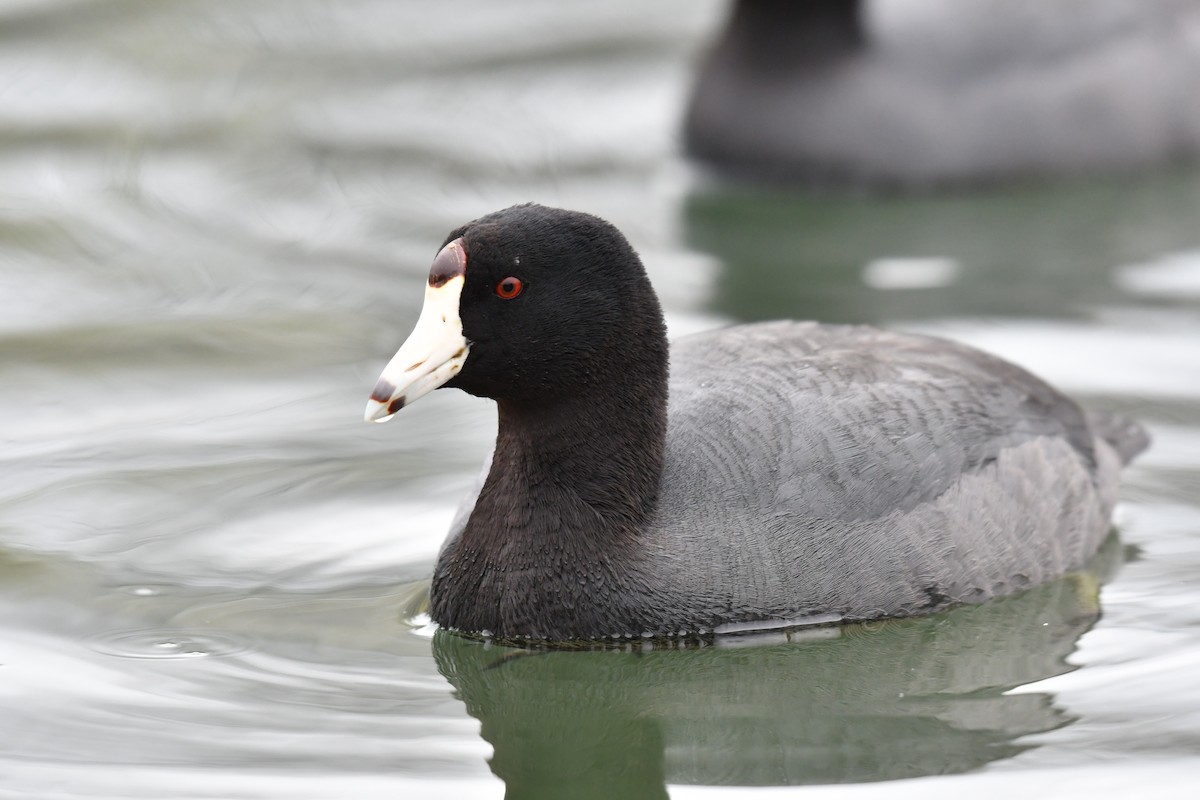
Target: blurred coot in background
{"type": "Point", "coordinates": [919, 93]}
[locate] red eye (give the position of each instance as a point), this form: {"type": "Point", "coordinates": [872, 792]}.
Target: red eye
{"type": "Point", "coordinates": [509, 288]}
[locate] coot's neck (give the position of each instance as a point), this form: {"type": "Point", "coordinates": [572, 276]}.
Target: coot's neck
{"type": "Point", "coordinates": [601, 452]}
{"type": "Point", "coordinates": [772, 34]}
{"type": "Point", "coordinates": [552, 546]}
{"type": "Point", "coordinates": [591, 445]}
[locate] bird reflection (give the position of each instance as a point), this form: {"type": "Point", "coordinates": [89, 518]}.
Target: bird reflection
{"type": "Point", "coordinates": [1047, 251]}
{"type": "Point", "coordinates": [897, 699]}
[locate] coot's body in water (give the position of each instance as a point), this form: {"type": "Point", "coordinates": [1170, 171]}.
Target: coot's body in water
{"type": "Point", "coordinates": [784, 471]}
{"type": "Point", "coordinates": [930, 92]}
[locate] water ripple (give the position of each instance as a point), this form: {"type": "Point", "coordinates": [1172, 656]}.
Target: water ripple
{"type": "Point", "coordinates": [167, 643]}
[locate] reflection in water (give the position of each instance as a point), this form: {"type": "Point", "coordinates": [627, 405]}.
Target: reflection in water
{"type": "Point", "coordinates": [1043, 251]}
{"type": "Point", "coordinates": [890, 700]}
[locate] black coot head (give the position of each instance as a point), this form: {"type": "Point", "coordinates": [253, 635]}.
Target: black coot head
{"type": "Point", "coordinates": [554, 303]}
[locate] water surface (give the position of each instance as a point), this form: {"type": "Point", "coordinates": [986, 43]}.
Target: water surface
{"type": "Point", "coordinates": [214, 222]}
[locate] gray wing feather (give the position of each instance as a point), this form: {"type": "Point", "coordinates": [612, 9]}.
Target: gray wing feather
{"type": "Point", "coordinates": [873, 472]}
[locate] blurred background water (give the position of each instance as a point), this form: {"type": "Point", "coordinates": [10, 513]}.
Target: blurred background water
{"type": "Point", "coordinates": [215, 219]}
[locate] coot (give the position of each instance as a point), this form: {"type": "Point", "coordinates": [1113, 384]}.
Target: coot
{"type": "Point", "coordinates": [930, 92]}
{"type": "Point", "coordinates": [778, 473]}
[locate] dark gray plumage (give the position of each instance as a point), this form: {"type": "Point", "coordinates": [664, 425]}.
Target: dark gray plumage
{"type": "Point", "coordinates": [790, 471]}
{"type": "Point", "coordinates": [869, 473]}
{"type": "Point", "coordinates": [900, 93]}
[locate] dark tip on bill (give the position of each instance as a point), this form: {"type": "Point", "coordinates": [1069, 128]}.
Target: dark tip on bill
{"type": "Point", "coordinates": [450, 263]}
{"type": "Point", "coordinates": [396, 405]}
{"type": "Point", "coordinates": [383, 392]}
